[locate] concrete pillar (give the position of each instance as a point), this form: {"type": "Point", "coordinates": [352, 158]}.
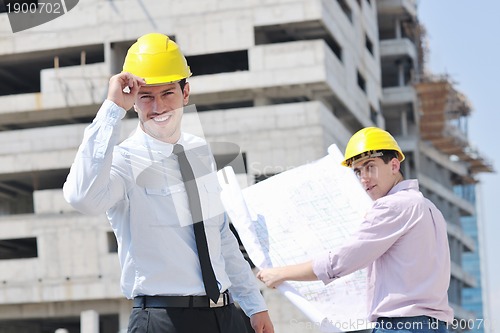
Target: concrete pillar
{"type": "Point", "coordinates": [404, 122]}
{"type": "Point", "coordinates": [123, 316]}
{"type": "Point", "coordinates": [401, 73]}
{"type": "Point", "coordinates": [89, 321]}
{"type": "Point", "coordinates": [110, 58]}
{"type": "Point", "coordinates": [4, 207]}
{"type": "Point", "coordinates": [397, 28]}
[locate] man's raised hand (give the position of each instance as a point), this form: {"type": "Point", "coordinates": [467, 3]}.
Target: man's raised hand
{"type": "Point", "coordinates": [123, 89]}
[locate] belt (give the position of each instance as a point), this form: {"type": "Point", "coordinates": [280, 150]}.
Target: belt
{"type": "Point", "coordinates": [182, 301]}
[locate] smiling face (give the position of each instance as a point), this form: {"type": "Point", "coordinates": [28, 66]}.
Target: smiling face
{"type": "Point", "coordinates": [376, 176]}
{"type": "Point", "coordinates": [160, 110]}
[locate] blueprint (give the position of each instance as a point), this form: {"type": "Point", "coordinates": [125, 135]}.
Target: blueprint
{"type": "Point", "coordinates": [291, 217]}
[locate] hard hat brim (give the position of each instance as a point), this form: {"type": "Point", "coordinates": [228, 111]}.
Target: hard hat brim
{"type": "Point", "coordinates": [158, 81]}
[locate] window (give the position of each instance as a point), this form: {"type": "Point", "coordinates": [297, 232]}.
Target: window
{"type": "Point", "coordinates": [361, 81]}
{"type": "Point", "coordinates": [346, 9]}
{"type": "Point", "coordinates": [112, 244]}
{"type": "Point", "coordinates": [373, 115]}
{"type": "Point", "coordinates": [368, 44]}
{"type": "Point", "coordinates": [223, 62]}
{"type": "Point", "coordinates": [18, 248]}
{"type": "Point", "coordinates": [223, 105]}
{"type": "Point", "coordinates": [307, 30]}
{"type": "Point", "coordinates": [21, 74]}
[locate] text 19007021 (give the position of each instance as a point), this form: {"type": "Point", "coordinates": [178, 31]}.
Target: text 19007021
{"type": "Point", "coordinates": [35, 7]}
{"type": "Point", "coordinates": [469, 324]}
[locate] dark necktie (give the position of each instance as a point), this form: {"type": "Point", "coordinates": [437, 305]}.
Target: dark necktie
{"type": "Point", "coordinates": [207, 271]}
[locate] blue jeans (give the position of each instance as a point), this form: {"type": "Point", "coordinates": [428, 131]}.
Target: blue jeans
{"type": "Point", "coordinates": [419, 324]}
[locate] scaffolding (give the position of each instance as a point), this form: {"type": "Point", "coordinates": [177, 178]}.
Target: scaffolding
{"type": "Point", "coordinates": [444, 113]}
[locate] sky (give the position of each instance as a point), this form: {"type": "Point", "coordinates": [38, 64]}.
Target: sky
{"type": "Point", "coordinates": [464, 42]}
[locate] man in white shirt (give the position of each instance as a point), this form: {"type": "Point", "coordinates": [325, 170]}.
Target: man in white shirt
{"type": "Point", "coordinates": [180, 262]}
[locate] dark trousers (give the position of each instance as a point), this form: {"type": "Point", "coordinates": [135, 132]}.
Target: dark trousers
{"type": "Point", "coordinates": [225, 319]}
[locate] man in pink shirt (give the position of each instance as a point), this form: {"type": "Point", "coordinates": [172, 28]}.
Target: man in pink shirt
{"type": "Point", "coordinates": [402, 241]}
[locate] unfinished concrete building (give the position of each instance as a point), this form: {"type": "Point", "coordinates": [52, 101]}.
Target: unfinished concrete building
{"type": "Point", "coordinates": [429, 118]}
{"type": "Point", "coordinates": [283, 79]}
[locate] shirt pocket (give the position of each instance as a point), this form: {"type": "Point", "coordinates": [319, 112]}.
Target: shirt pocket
{"type": "Point", "coordinates": [169, 206]}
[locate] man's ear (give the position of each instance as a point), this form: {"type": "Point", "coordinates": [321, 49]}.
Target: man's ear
{"type": "Point", "coordinates": [185, 93]}
{"type": "Point", "coordinates": [395, 165]}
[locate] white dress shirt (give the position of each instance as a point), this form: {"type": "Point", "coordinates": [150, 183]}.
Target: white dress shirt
{"type": "Point", "coordinates": [139, 185]}
{"type": "Point", "coordinates": [404, 244]}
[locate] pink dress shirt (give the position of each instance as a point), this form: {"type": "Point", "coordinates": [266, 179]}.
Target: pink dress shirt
{"type": "Point", "coordinates": [404, 244]}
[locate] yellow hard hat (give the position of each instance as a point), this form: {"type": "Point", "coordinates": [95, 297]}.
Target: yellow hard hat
{"type": "Point", "coordinates": [157, 59]}
{"type": "Point", "coordinates": [368, 142]}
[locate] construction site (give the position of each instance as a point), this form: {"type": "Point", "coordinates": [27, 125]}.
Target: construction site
{"type": "Point", "coordinates": [283, 79]}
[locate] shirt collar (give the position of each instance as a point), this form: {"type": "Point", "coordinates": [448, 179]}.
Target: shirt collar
{"type": "Point", "coordinates": [165, 149]}
{"type": "Point", "coordinates": [409, 184]}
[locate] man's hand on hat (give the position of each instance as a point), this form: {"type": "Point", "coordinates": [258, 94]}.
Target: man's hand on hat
{"type": "Point", "coordinates": [123, 89]}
